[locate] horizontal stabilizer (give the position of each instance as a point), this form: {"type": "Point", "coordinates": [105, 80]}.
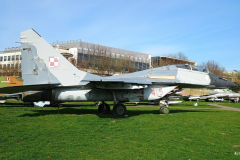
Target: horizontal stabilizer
{"type": "Point", "coordinates": [17, 89]}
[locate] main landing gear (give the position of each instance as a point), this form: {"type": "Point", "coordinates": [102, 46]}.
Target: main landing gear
{"type": "Point", "coordinates": [119, 109]}
{"type": "Point", "coordinates": [103, 108]}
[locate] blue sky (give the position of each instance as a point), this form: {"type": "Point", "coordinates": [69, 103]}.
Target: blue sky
{"type": "Point", "coordinates": [203, 30]}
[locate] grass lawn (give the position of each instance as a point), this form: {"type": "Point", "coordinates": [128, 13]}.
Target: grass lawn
{"type": "Point", "coordinates": [4, 84]}
{"type": "Point", "coordinates": [202, 104]}
{"type": "Point", "coordinates": [188, 104]}
{"type": "Point", "coordinates": [82, 133]}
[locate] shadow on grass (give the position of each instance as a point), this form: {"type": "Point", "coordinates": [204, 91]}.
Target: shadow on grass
{"type": "Point", "coordinates": [9, 104]}
{"type": "Point", "coordinates": [79, 111]}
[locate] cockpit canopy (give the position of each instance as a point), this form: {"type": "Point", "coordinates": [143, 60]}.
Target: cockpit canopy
{"type": "Point", "coordinates": [191, 67]}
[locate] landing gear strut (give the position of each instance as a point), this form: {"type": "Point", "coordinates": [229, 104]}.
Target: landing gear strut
{"type": "Point", "coordinates": [119, 109]}
{"type": "Point", "coordinates": [103, 108]}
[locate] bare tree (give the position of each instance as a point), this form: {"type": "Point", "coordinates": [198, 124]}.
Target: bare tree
{"type": "Point", "coordinates": [233, 76]}
{"type": "Point", "coordinates": [214, 67]}
{"type": "Point", "coordinates": [11, 70]}
{"type": "Point", "coordinates": [170, 59]}
{"type": "Point", "coordinates": [179, 55]}
{"type": "Point", "coordinates": [124, 64]}
{"type": "Point", "coordinates": [98, 60]}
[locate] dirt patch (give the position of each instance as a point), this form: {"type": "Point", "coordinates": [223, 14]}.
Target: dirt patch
{"type": "Point", "coordinates": [187, 139]}
{"type": "Point", "coordinates": [236, 146]}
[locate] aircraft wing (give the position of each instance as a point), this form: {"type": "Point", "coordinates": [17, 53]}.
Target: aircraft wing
{"type": "Point", "coordinates": [18, 89]}
{"type": "Point", "coordinates": [132, 80]}
{"type": "Point", "coordinates": [144, 81]}
{"type": "Point", "coordinates": [9, 96]}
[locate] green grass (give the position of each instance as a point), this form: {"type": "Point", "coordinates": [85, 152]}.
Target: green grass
{"type": "Point", "coordinates": [188, 104]}
{"type": "Point", "coordinates": [4, 84]}
{"type": "Point", "coordinates": [82, 133]}
{"type": "Point", "coordinates": [185, 104]}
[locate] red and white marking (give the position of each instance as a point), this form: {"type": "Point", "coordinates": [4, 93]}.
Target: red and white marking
{"type": "Point", "coordinates": [157, 92]}
{"type": "Point", "coordinates": [53, 61]}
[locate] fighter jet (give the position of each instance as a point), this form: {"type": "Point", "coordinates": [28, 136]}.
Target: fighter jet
{"type": "Point", "coordinates": [46, 70]}
{"type": "Point", "coordinates": [221, 94]}
{"type": "Point", "coordinates": [195, 93]}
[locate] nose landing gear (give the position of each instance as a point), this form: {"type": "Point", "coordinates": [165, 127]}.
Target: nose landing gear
{"type": "Point", "coordinates": [164, 107]}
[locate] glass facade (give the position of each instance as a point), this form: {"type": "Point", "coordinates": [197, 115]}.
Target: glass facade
{"type": "Point", "coordinates": [139, 66]}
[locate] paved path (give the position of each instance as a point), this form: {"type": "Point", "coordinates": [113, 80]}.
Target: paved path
{"type": "Point", "coordinates": [221, 107]}
{"type": "Point", "coordinates": [225, 108]}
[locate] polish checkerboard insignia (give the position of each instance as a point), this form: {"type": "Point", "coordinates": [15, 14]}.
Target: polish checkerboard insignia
{"type": "Point", "coordinates": [53, 61]}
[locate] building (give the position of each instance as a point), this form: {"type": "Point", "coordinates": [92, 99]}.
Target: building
{"type": "Point", "coordinates": [163, 61]}
{"type": "Point", "coordinates": [80, 51]}
{"type": "Point", "coordinates": [11, 58]}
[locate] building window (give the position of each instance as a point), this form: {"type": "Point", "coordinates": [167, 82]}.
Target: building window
{"type": "Point", "coordinates": [16, 66]}
{"type": "Point", "coordinates": [13, 58]}
{"type": "Point", "coordinates": [12, 65]}
{"type": "Point", "coordinates": [20, 57]}
{"type": "Point", "coordinates": [9, 58]}
{"type": "Point", "coordinates": [8, 65]}
{"type": "Point", "coordinates": [140, 64]}
{"type": "Point", "coordinates": [1, 59]}
{"type": "Point", "coordinates": [5, 58]}
{"type": "Point", "coordinates": [17, 57]}
{"type": "Point", "coordinates": [4, 66]}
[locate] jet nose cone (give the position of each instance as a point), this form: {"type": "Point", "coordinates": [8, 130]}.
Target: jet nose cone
{"type": "Point", "coordinates": [220, 82]}
{"type": "Point", "coordinates": [233, 84]}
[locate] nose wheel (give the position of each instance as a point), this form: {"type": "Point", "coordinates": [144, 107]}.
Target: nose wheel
{"type": "Point", "coordinates": [164, 110]}
{"type": "Point", "coordinates": [164, 107]}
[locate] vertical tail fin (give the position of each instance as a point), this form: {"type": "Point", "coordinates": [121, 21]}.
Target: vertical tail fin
{"type": "Point", "coordinates": [42, 64]}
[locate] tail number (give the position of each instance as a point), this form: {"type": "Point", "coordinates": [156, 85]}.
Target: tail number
{"type": "Point", "coordinates": [53, 61]}
{"type": "Point", "coordinates": [157, 92]}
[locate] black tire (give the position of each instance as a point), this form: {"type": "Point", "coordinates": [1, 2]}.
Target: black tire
{"type": "Point", "coordinates": [164, 110]}
{"type": "Point", "coordinates": [119, 110]}
{"type": "Point", "coordinates": [206, 100]}
{"type": "Point", "coordinates": [104, 108]}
